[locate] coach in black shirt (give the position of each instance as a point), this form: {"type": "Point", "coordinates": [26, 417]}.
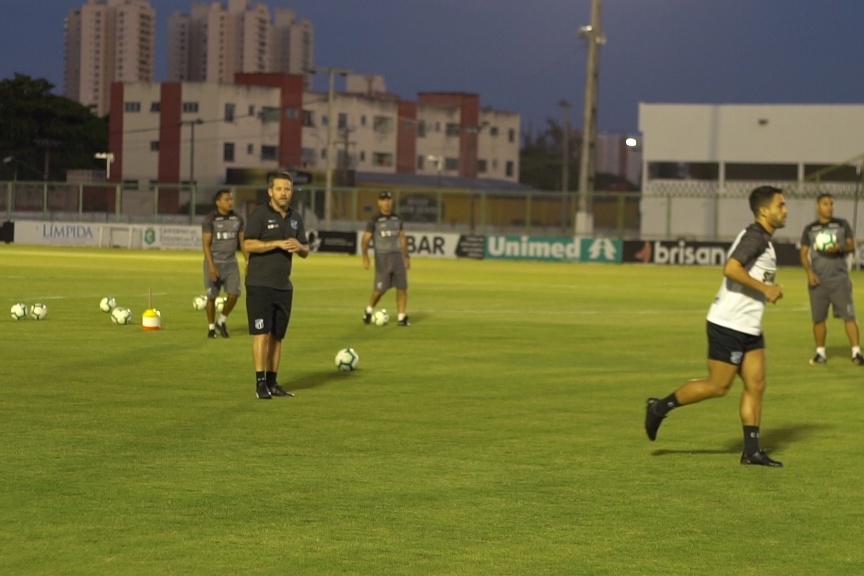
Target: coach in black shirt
{"type": "Point", "coordinates": [274, 233]}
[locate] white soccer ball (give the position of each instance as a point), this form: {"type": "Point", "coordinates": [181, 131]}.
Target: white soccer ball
{"type": "Point", "coordinates": [220, 303]}
{"type": "Point", "coordinates": [381, 317]}
{"type": "Point", "coordinates": [121, 316]}
{"type": "Point", "coordinates": [39, 311]}
{"type": "Point", "coordinates": [107, 304]}
{"type": "Point", "coordinates": [825, 240]}
{"type": "Point", "coordinates": [347, 360]}
{"type": "Point", "coordinates": [19, 311]}
{"type": "Point", "coordinates": [199, 303]}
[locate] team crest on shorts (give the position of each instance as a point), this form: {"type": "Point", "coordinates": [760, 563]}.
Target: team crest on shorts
{"type": "Point", "coordinates": [736, 357]}
{"type": "Point", "coordinates": [259, 323]}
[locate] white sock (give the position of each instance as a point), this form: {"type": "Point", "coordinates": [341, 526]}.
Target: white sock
{"type": "Point", "coordinates": [369, 309]}
{"type": "Point", "coordinates": [222, 319]}
{"type": "Point", "coordinates": [212, 326]}
{"type": "Point", "coordinates": [855, 351]}
{"type": "Point", "coordinates": [400, 317]}
{"type": "Point", "coordinates": [821, 351]}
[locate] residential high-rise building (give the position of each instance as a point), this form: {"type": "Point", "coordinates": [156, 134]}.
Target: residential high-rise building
{"type": "Point", "coordinates": [215, 42]}
{"type": "Point", "coordinates": [108, 41]}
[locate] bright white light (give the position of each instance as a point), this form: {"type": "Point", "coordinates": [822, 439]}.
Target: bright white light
{"type": "Point", "coordinates": [631, 142]}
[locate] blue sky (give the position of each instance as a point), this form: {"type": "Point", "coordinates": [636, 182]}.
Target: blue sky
{"type": "Point", "coordinates": [526, 56]}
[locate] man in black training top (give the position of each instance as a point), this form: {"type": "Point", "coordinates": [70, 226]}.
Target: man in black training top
{"type": "Point", "coordinates": [221, 235]}
{"type": "Point", "coordinates": [274, 233]}
{"type": "Point", "coordinates": [392, 260]}
{"type": "Point", "coordinates": [736, 345]}
{"type": "Point", "coordinates": [828, 279]}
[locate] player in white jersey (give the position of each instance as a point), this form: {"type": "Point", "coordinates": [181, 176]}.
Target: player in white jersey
{"type": "Point", "coordinates": [736, 345]}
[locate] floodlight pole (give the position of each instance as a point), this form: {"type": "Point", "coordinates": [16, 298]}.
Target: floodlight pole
{"type": "Point", "coordinates": [594, 37]}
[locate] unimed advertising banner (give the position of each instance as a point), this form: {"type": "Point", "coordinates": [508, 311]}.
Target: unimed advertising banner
{"type": "Point", "coordinates": [171, 237]}
{"type": "Point", "coordinates": [564, 248]}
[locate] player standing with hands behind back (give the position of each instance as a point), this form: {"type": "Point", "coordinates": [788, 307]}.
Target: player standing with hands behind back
{"type": "Point", "coordinates": [828, 279]}
{"type": "Point", "coordinates": [736, 345]}
{"type": "Point", "coordinates": [392, 260]}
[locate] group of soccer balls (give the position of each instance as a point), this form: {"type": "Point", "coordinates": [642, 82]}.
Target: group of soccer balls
{"type": "Point", "coordinates": [20, 311]}
{"type": "Point", "coordinates": [200, 303]}
{"type": "Point", "coordinates": [119, 314]}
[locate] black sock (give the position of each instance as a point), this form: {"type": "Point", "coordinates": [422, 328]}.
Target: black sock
{"type": "Point", "coordinates": [259, 377]}
{"type": "Point", "coordinates": [666, 404]}
{"type": "Point", "coordinates": [751, 439]}
{"type": "Point", "coordinates": [271, 379]}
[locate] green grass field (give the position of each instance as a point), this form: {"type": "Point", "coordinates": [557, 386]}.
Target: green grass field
{"type": "Point", "coordinates": [500, 434]}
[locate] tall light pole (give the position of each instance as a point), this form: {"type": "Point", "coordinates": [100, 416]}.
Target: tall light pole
{"type": "Point", "coordinates": [594, 37]}
{"type": "Point", "coordinates": [328, 186]}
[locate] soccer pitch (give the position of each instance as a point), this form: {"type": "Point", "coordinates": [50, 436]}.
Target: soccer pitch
{"type": "Point", "coordinates": [500, 434]}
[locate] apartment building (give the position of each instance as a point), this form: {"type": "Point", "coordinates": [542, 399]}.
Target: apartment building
{"type": "Point", "coordinates": [108, 41]}
{"type": "Point", "coordinates": [214, 42]}
{"type": "Point", "coordinates": [178, 132]}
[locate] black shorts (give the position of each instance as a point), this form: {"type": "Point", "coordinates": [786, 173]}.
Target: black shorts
{"type": "Point", "coordinates": [729, 346]}
{"type": "Point", "coordinates": [268, 310]}
{"type": "Point", "coordinates": [836, 293]}
{"type": "Point", "coordinates": [390, 272]}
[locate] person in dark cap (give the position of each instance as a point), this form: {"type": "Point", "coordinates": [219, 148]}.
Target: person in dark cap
{"type": "Point", "coordinates": [392, 260]}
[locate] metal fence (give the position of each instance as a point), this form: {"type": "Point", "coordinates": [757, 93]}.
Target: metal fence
{"type": "Point", "coordinates": [464, 211]}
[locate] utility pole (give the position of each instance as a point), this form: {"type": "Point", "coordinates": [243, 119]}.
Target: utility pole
{"type": "Point", "coordinates": [565, 160]}
{"type": "Point", "coordinates": [47, 145]}
{"type": "Point", "coordinates": [594, 37]}
{"type": "Point", "coordinates": [191, 124]}
{"type": "Point", "coordinates": [328, 193]}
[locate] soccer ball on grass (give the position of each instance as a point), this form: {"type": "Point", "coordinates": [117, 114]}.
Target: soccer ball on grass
{"type": "Point", "coordinates": [107, 304]}
{"type": "Point", "coordinates": [121, 316]}
{"type": "Point", "coordinates": [39, 311]}
{"type": "Point", "coordinates": [19, 311]}
{"type": "Point", "coordinates": [347, 360]}
{"type": "Point", "coordinates": [381, 317]}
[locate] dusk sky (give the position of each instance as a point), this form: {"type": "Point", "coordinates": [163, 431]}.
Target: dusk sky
{"type": "Point", "coordinates": [525, 56]}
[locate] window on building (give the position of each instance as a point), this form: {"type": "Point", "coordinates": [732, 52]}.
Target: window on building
{"type": "Point", "coordinates": [308, 157]}
{"type": "Point", "coordinates": [308, 118]}
{"type": "Point", "coordinates": [190, 107]}
{"type": "Point", "coordinates": [291, 113]}
{"type": "Point", "coordinates": [228, 152]}
{"type": "Point", "coordinates": [736, 171]}
{"type": "Point", "coordinates": [451, 164]}
{"type": "Point", "coordinates": [509, 169]}
{"type": "Point", "coordinates": [382, 124]}
{"type": "Point", "coordinates": [132, 107]}
{"type": "Point", "coordinates": [421, 129]}
{"type": "Point", "coordinates": [452, 129]}
{"type": "Point", "coordinates": [269, 152]}
{"type": "Point", "coordinates": [229, 112]}
{"type": "Point", "coordinates": [342, 121]}
{"type": "Point", "coordinates": [684, 170]}
{"type": "Point", "coordinates": [363, 120]}
{"type": "Point", "coordinates": [251, 111]}
{"type": "Point", "coordinates": [493, 131]}
{"type": "Point", "coordinates": [154, 145]}
{"type": "Point", "coordinates": [383, 159]}
{"type": "Point", "coordinates": [250, 149]}
{"type": "Point", "coordinates": [269, 114]}
{"type": "Point", "coordinates": [421, 162]}
{"type": "Point", "coordinates": [362, 156]}
{"type": "Point", "coordinates": [511, 135]}
{"type": "Point", "coordinates": [482, 166]}
{"type": "Point", "coordinates": [155, 106]}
